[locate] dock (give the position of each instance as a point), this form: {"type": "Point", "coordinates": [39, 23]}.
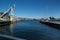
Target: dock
{"type": "Point", "coordinates": [51, 24]}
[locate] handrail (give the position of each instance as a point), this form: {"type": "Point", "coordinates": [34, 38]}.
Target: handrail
{"type": "Point", "coordinates": [11, 37]}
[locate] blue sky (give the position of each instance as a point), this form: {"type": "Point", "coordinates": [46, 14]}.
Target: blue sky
{"type": "Point", "coordinates": [33, 8]}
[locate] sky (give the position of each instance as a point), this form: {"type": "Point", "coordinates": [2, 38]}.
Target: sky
{"type": "Point", "coordinates": [33, 8]}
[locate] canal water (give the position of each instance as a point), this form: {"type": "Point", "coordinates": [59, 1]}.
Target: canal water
{"type": "Point", "coordinates": [30, 30]}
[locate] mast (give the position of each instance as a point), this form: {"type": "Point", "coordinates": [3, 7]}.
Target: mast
{"type": "Point", "coordinates": [12, 8]}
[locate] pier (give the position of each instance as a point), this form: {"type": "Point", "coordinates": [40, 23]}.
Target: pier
{"type": "Point", "coordinates": [51, 24]}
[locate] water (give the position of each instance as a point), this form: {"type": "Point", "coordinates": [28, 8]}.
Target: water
{"type": "Point", "coordinates": [30, 30]}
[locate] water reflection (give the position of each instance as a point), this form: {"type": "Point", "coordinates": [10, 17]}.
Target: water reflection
{"type": "Point", "coordinates": [7, 29]}
{"type": "Point", "coordinates": [6, 33]}
{"type": "Point", "coordinates": [11, 29]}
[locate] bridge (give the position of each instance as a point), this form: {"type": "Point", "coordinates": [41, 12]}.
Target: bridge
{"type": "Point", "coordinates": [8, 15]}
